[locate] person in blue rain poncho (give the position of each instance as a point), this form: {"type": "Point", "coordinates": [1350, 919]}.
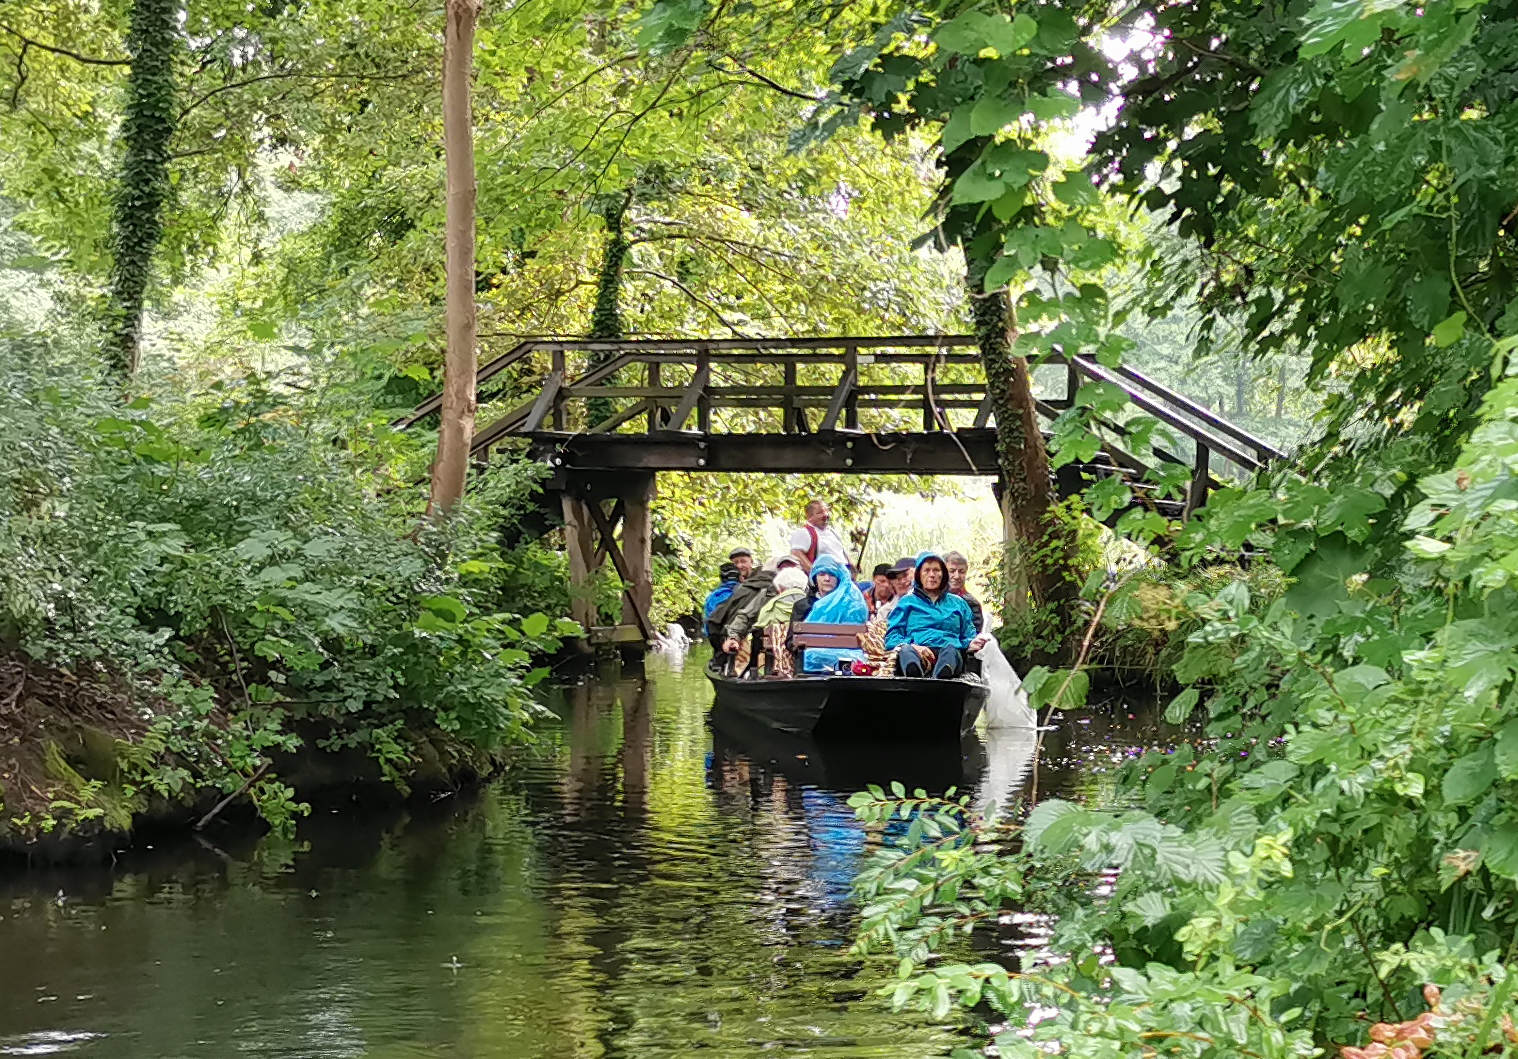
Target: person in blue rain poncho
{"type": "Point", "coordinates": [932, 617]}
{"type": "Point", "coordinates": [835, 601]}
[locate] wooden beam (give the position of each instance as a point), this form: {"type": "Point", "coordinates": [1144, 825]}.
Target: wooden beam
{"type": "Point", "coordinates": [615, 518]}
{"type": "Point", "coordinates": [612, 422]}
{"type": "Point", "coordinates": [851, 407]}
{"type": "Point", "coordinates": [983, 413]}
{"type": "Point", "coordinates": [1205, 414]}
{"type": "Point", "coordinates": [1196, 496]}
{"type": "Point", "coordinates": [1200, 434]}
{"type": "Point", "coordinates": [693, 393]}
{"type": "Point", "coordinates": [626, 573]}
{"type": "Point", "coordinates": [840, 399]}
{"type": "Point", "coordinates": [545, 401]}
{"type": "Point", "coordinates": [579, 545]}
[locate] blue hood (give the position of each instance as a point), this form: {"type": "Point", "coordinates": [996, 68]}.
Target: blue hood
{"type": "Point", "coordinates": [917, 588]}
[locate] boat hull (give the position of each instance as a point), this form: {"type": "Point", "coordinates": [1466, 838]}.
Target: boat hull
{"type": "Point", "coordinates": [864, 709]}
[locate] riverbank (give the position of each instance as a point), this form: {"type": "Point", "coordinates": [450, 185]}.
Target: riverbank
{"type": "Point", "coordinates": [90, 765]}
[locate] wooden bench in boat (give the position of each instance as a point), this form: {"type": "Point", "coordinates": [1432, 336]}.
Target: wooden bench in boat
{"type": "Point", "coordinates": [821, 634]}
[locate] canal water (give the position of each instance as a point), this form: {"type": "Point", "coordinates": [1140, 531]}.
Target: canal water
{"type": "Point", "coordinates": [641, 884]}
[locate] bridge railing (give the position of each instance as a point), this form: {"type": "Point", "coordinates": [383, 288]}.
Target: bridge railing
{"type": "Point", "coordinates": [885, 384]}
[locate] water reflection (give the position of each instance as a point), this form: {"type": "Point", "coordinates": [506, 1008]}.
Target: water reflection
{"type": "Point", "coordinates": [638, 885]}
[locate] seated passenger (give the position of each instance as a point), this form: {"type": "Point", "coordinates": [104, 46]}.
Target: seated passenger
{"type": "Point", "coordinates": [834, 601]}
{"type": "Point", "coordinates": [775, 618]}
{"type": "Point", "coordinates": [738, 616]}
{"type": "Point", "coordinates": [880, 590]}
{"type": "Point", "coordinates": [932, 628]}
{"type": "Point", "coordinates": [743, 559]}
{"type": "Point", "coordinates": [729, 575]}
{"type": "Point", "coordinates": [959, 570]}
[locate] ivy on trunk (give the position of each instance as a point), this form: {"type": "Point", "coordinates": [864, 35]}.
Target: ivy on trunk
{"type": "Point", "coordinates": [153, 44]}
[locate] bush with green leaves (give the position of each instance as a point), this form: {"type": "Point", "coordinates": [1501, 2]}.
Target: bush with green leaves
{"type": "Point", "coordinates": [1344, 834]}
{"type": "Point", "coordinates": [245, 557]}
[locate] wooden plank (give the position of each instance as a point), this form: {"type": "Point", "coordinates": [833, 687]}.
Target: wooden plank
{"type": "Point", "coordinates": [580, 547]}
{"type": "Point", "coordinates": [929, 411]}
{"type": "Point", "coordinates": [840, 399]}
{"type": "Point", "coordinates": [653, 406]}
{"type": "Point", "coordinates": [545, 401]}
{"type": "Point", "coordinates": [613, 634]}
{"type": "Point", "coordinates": [935, 453]}
{"type": "Point", "coordinates": [851, 365]}
{"type": "Point", "coordinates": [693, 393]}
{"type": "Point", "coordinates": [778, 393]}
{"type": "Point", "coordinates": [486, 371]}
{"type": "Point", "coordinates": [717, 344]}
{"type": "Point", "coordinates": [562, 372]}
{"type": "Point", "coordinates": [788, 408]}
{"type": "Point", "coordinates": [703, 402]}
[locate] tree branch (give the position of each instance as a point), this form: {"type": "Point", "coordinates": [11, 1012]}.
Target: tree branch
{"type": "Point", "coordinates": [776, 85]}
{"type": "Point", "coordinates": [89, 60]}
{"type": "Point", "coordinates": [695, 298]}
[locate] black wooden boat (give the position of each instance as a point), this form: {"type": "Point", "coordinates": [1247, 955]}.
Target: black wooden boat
{"type": "Point", "coordinates": [860, 708]}
{"type": "Point", "coordinates": [846, 765]}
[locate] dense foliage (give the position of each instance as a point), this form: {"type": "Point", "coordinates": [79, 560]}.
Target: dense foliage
{"type": "Point", "coordinates": [1339, 176]}
{"type": "Point", "coordinates": [234, 556]}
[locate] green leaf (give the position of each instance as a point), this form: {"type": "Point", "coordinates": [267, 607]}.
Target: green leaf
{"type": "Point", "coordinates": [535, 625]}
{"type": "Point", "coordinates": [993, 113]}
{"type": "Point", "coordinates": [1507, 750]}
{"type": "Point", "coordinates": [1470, 776]}
{"type": "Point", "coordinates": [1449, 330]}
{"type": "Point", "coordinates": [1052, 826]}
{"type": "Point", "coordinates": [1000, 272]}
{"type": "Point", "coordinates": [1055, 105]}
{"type": "Point", "coordinates": [445, 607]}
{"type": "Point", "coordinates": [1181, 706]}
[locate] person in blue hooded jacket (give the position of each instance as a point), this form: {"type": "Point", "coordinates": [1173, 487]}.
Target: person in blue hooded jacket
{"type": "Point", "coordinates": [931, 616]}
{"type": "Point", "coordinates": [835, 601]}
{"type": "Point", "coordinates": [730, 575]}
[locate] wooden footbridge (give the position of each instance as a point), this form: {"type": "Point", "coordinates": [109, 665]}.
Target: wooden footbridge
{"type": "Point", "coordinates": [609, 415]}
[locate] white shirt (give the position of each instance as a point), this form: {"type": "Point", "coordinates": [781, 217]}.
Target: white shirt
{"type": "Point", "coordinates": [827, 543]}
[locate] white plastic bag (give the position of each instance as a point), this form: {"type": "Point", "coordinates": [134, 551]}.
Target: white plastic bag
{"type": "Point", "coordinates": [1006, 701]}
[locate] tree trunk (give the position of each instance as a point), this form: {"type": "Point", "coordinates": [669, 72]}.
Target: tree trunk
{"type": "Point", "coordinates": [1037, 552]}
{"type": "Point", "coordinates": [137, 224]}
{"type": "Point", "coordinates": [456, 429]}
{"type": "Point", "coordinates": [606, 317]}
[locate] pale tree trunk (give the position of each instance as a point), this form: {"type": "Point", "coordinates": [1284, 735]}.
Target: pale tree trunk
{"type": "Point", "coordinates": [456, 430]}
{"type": "Point", "coordinates": [1037, 554]}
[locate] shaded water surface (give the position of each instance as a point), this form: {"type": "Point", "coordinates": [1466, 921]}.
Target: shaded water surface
{"type": "Point", "coordinates": [640, 885]}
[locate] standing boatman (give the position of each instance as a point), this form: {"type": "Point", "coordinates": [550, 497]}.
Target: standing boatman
{"type": "Point", "coordinates": [815, 538]}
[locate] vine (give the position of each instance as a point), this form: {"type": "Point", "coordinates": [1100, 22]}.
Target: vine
{"type": "Point", "coordinates": [137, 226]}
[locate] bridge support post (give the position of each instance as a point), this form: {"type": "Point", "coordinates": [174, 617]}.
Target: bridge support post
{"type": "Point", "coordinates": [579, 543]}
{"type": "Point", "coordinates": [590, 537]}
{"type": "Point", "coordinates": [637, 541]}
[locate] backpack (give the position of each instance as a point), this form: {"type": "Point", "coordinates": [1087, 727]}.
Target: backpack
{"type": "Point", "coordinates": [718, 596]}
